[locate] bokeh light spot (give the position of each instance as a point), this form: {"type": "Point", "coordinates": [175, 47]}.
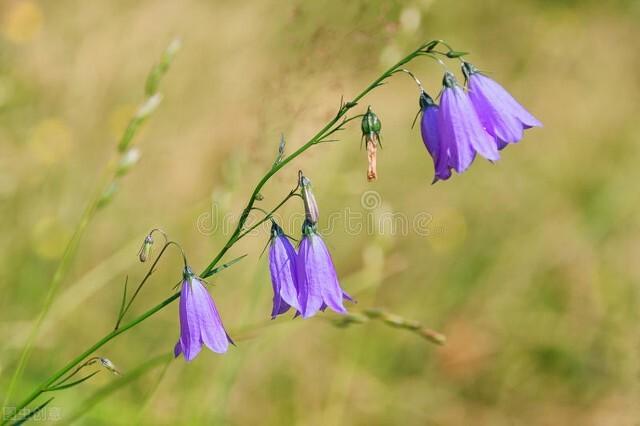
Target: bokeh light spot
{"type": "Point", "coordinates": [410, 19]}
{"type": "Point", "coordinates": [23, 22]}
{"type": "Point", "coordinates": [50, 141]}
{"type": "Point", "coordinates": [448, 232]}
{"type": "Point", "coordinates": [49, 238]}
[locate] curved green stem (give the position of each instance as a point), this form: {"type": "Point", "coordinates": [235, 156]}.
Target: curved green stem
{"type": "Point", "coordinates": [101, 196]}
{"type": "Point", "coordinates": [240, 230]}
{"type": "Point", "coordinates": [126, 306]}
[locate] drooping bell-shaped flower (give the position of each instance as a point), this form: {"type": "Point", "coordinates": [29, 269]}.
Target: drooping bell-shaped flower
{"type": "Point", "coordinates": [282, 265]}
{"type": "Point", "coordinates": [371, 127]}
{"type": "Point", "coordinates": [500, 114]}
{"type": "Point", "coordinates": [200, 323]}
{"type": "Point", "coordinates": [318, 285]}
{"type": "Point", "coordinates": [461, 133]}
{"type": "Point", "coordinates": [431, 137]}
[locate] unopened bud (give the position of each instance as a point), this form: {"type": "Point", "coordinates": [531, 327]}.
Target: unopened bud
{"type": "Point", "coordinates": [145, 250]}
{"type": "Point", "coordinates": [106, 363]}
{"type": "Point", "coordinates": [371, 127]}
{"type": "Point", "coordinates": [370, 123]}
{"type": "Point", "coordinates": [310, 206]}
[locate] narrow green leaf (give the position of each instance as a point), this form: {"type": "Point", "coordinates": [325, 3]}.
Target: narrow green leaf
{"type": "Point", "coordinates": [429, 46]}
{"type": "Point", "coordinates": [122, 303]}
{"type": "Point", "coordinates": [225, 266]}
{"type": "Point", "coordinates": [117, 384]}
{"type": "Point", "coordinates": [74, 383]}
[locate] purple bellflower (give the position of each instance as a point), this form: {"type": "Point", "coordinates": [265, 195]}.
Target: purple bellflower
{"type": "Point", "coordinates": [200, 323]}
{"type": "Point", "coordinates": [282, 265]}
{"type": "Point", "coordinates": [431, 137]}
{"type": "Point", "coordinates": [461, 132]}
{"type": "Point", "coordinates": [500, 114]}
{"type": "Point", "coordinates": [318, 286]}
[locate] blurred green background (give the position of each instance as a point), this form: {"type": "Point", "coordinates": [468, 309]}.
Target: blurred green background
{"type": "Point", "coordinates": [529, 266]}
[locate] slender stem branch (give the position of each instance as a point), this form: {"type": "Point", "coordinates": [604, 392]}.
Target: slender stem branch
{"type": "Point", "coordinates": [111, 174]}
{"type": "Point", "coordinates": [142, 283]}
{"type": "Point", "coordinates": [239, 231]}
{"type": "Point", "coordinates": [268, 215]}
{"type": "Point", "coordinates": [338, 128]}
{"type": "Point", "coordinates": [88, 362]}
{"type": "Point", "coordinates": [344, 108]}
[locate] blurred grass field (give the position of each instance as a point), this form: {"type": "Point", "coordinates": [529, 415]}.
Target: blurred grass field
{"type": "Point", "coordinates": [529, 266]}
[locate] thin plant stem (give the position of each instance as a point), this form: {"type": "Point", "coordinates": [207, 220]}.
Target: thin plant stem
{"type": "Point", "coordinates": [344, 108]}
{"type": "Point", "coordinates": [58, 275]}
{"type": "Point", "coordinates": [239, 231]}
{"type": "Point", "coordinates": [102, 194]}
{"type": "Point", "coordinates": [89, 403]}
{"type": "Point", "coordinates": [144, 280]}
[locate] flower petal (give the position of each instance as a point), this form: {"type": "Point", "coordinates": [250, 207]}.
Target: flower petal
{"type": "Point", "coordinates": [495, 115]}
{"type": "Point", "coordinates": [324, 272]}
{"type": "Point", "coordinates": [454, 141]}
{"type": "Point", "coordinates": [282, 265]}
{"type": "Point", "coordinates": [348, 297]}
{"type": "Point", "coordinates": [189, 321]}
{"type": "Point", "coordinates": [309, 292]}
{"type": "Point", "coordinates": [501, 95]}
{"type": "Point", "coordinates": [431, 138]}
{"type": "Point", "coordinates": [213, 334]}
{"type": "Point", "coordinates": [465, 125]}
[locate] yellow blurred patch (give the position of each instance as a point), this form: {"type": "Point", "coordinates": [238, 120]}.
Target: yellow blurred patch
{"type": "Point", "coordinates": [50, 141]}
{"type": "Point", "coordinates": [49, 238]}
{"type": "Point", "coordinates": [23, 22]}
{"type": "Point", "coordinates": [6, 90]}
{"type": "Point", "coordinates": [448, 230]}
{"type": "Point", "coordinates": [373, 263]}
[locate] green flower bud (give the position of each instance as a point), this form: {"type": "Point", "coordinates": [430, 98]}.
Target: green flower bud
{"type": "Point", "coordinates": [145, 250]}
{"type": "Point", "coordinates": [371, 124]}
{"type": "Point", "coordinates": [371, 127]}
{"type": "Point", "coordinates": [106, 363]}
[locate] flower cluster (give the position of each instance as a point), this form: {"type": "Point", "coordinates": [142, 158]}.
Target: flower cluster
{"type": "Point", "coordinates": [305, 280]}
{"type": "Point", "coordinates": [480, 117]}
{"type": "Point", "coordinates": [481, 120]}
